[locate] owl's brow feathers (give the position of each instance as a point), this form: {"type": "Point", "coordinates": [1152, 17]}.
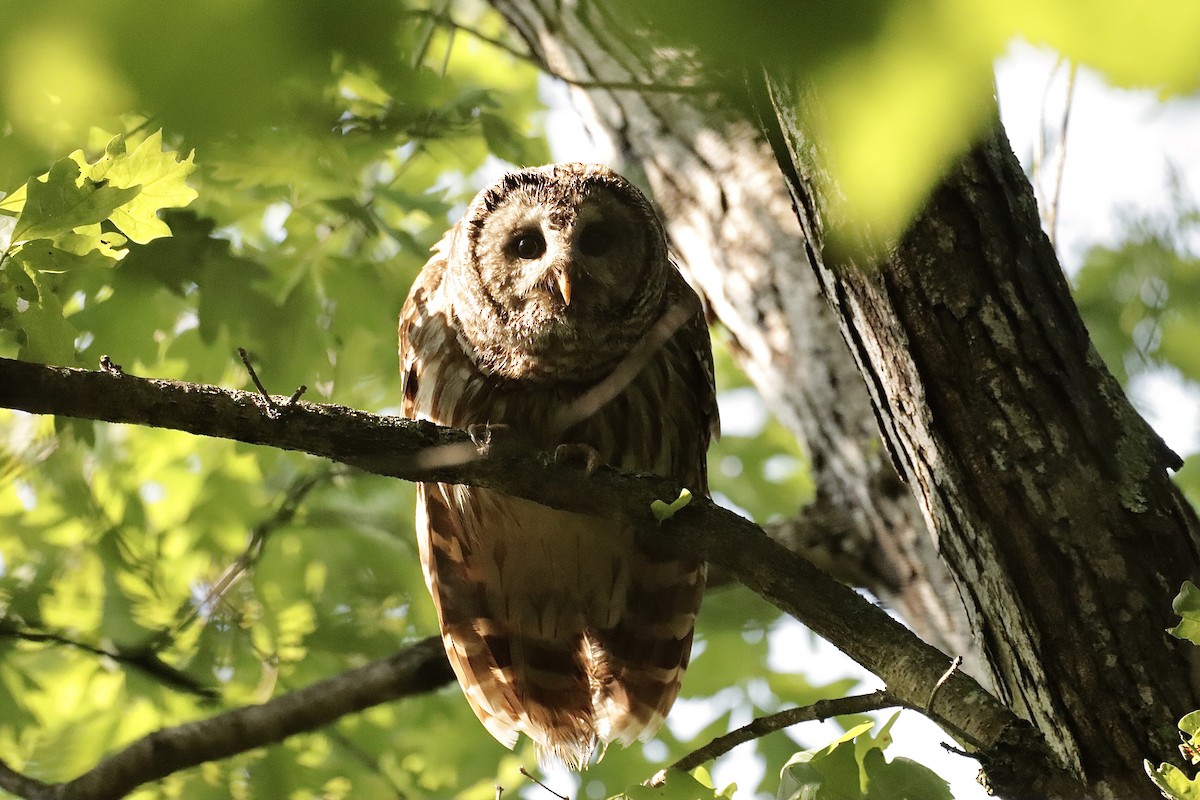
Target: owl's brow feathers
{"type": "Point", "coordinates": [538, 186]}
{"type": "Point", "coordinates": [588, 403]}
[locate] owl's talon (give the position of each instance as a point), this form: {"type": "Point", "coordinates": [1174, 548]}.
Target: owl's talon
{"type": "Point", "coordinates": [497, 439]}
{"type": "Point", "coordinates": [578, 454]}
{"type": "Point", "coordinates": [481, 434]}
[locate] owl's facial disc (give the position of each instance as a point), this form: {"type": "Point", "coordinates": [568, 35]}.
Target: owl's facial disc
{"type": "Point", "coordinates": [566, 268]}
{"type": "Point", "coordinates": [557, 257]}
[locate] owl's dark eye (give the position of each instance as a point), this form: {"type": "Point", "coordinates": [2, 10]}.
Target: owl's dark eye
{"type": "Point", "coordinates": [596, 239]}
{"type": "Point", "coordinates": [529, 245]}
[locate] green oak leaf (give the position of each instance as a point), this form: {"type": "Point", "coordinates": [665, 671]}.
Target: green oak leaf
{"type": "Point", "coordinates": [1173, 782]}
{"type": "Point", "coordinates": [42, 255]}
{"type": "Point", "coordinates": [157, 172]}
{"type": "Point", "coordinates": [30, 307]}
{"type": "Point", "coordinates": [63, 200]}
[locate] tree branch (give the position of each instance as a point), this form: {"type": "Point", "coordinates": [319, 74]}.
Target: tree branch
{"type": "Point", "coordinates": [612, 86]}
{"type": "Point", "coordinates": [822, 709]}
{"type": "Point", "coordinates": [415, 670]}
{"type": "Point", "coordinates": [143, 659]}
{"type": "Point", "coordinates": [422, 451]}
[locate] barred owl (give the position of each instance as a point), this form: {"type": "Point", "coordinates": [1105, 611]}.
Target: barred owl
{"type": "Point", "coordinates": [552, 308]}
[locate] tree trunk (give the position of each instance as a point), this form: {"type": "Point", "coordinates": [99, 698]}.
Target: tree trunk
{"type": "Point", "coordinates": [737, 239]}
{"type": "Point", "coordinates": [1048, 495]}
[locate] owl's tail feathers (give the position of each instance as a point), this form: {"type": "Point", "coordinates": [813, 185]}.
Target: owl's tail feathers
{"type": "Point", "coordinates": [635, 682]}
{"type": "Point", "coordinates": [522, 684]}
{"type": "Point", "coordinates": [637, 665]}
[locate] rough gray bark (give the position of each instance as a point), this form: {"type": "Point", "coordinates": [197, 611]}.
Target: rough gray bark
{"type": "Point", "coordinates": [1049, 496]}
{"type": "Point", "coordinates": [731, 223]}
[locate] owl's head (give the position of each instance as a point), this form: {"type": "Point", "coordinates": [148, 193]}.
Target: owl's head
{"type": "Point", "coordinates": [557, 271]}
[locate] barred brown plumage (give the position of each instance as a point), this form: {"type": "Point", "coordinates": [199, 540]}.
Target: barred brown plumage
{"type": "Point", "coordinates": [552, 307]}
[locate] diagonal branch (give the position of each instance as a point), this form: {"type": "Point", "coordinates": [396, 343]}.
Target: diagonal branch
{"type": "Point", "coordinates": [402, 448]}
{"type": "Point", "coordinates": [821, 709]}
{"type": "Point", "coordinates": [417, 669]}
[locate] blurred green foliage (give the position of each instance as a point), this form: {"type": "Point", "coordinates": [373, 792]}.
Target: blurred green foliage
{"type": "Point", "coordinates": [1140, 299]}
{"type": "Point", "coordinates": [184, 181]}
{"type": "Point", "coordinates": [895, 90]}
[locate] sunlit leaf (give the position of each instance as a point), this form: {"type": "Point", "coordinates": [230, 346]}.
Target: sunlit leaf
{"type": "Point", "coordinates": [826, 773]}
{"type": "Point", "coordinates": [65, 200]}
{"type": "Point", "coordinates": [1173, 782]}
{"type": "Point", "coordinates": [157, 173]}
{"type": "Point", "coordinates": [1187, 605]}
{"type": "Point", "coordinates": [42, 255]}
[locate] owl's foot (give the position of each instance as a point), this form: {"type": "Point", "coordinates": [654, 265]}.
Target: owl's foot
{"type": "Point", "coordinates": [579, 455]}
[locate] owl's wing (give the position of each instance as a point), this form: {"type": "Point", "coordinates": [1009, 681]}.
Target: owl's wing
{"type": "Point", "coordinates": [691, 351]}
{"type": "Point", "coordinates": [519, 662]}
{"type": "Point", "coordinates": [423, 329]}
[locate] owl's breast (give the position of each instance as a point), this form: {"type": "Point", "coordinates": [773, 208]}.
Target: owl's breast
{"type": "Point", "coordinates": [650, 423]}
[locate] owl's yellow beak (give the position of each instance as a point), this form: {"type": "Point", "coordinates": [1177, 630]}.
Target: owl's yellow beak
{"type": "Point", "coordinates": [564, 286]}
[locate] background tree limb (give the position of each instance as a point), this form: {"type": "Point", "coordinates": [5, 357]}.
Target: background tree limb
{"type": "Point", "coordinates": [414, 670]}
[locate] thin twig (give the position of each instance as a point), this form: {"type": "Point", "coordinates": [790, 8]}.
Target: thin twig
{"type": "Point", "coordinates": [937, 687]}
{"type": "Point", "coordinates": [1049, 199]}
{"type": "Point", "coordinates": [822, 709]}
{"type": "Point", "coordinates": [527, 774]}
{"type": "Point", "coordinates": [284, 514]}
{"type": "Point", "coordinates": [612, 86]}
{"type": "Point", "coordinates": [949, 748]}
{"type": "Point", "coordinates": [273, 409]}
{"type": "Point", "coordinates": [1060, 156]}
{"type": "Point", "coordinates": [143, 659]}
{"type": "Point", "coordinates": [254, 375]}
